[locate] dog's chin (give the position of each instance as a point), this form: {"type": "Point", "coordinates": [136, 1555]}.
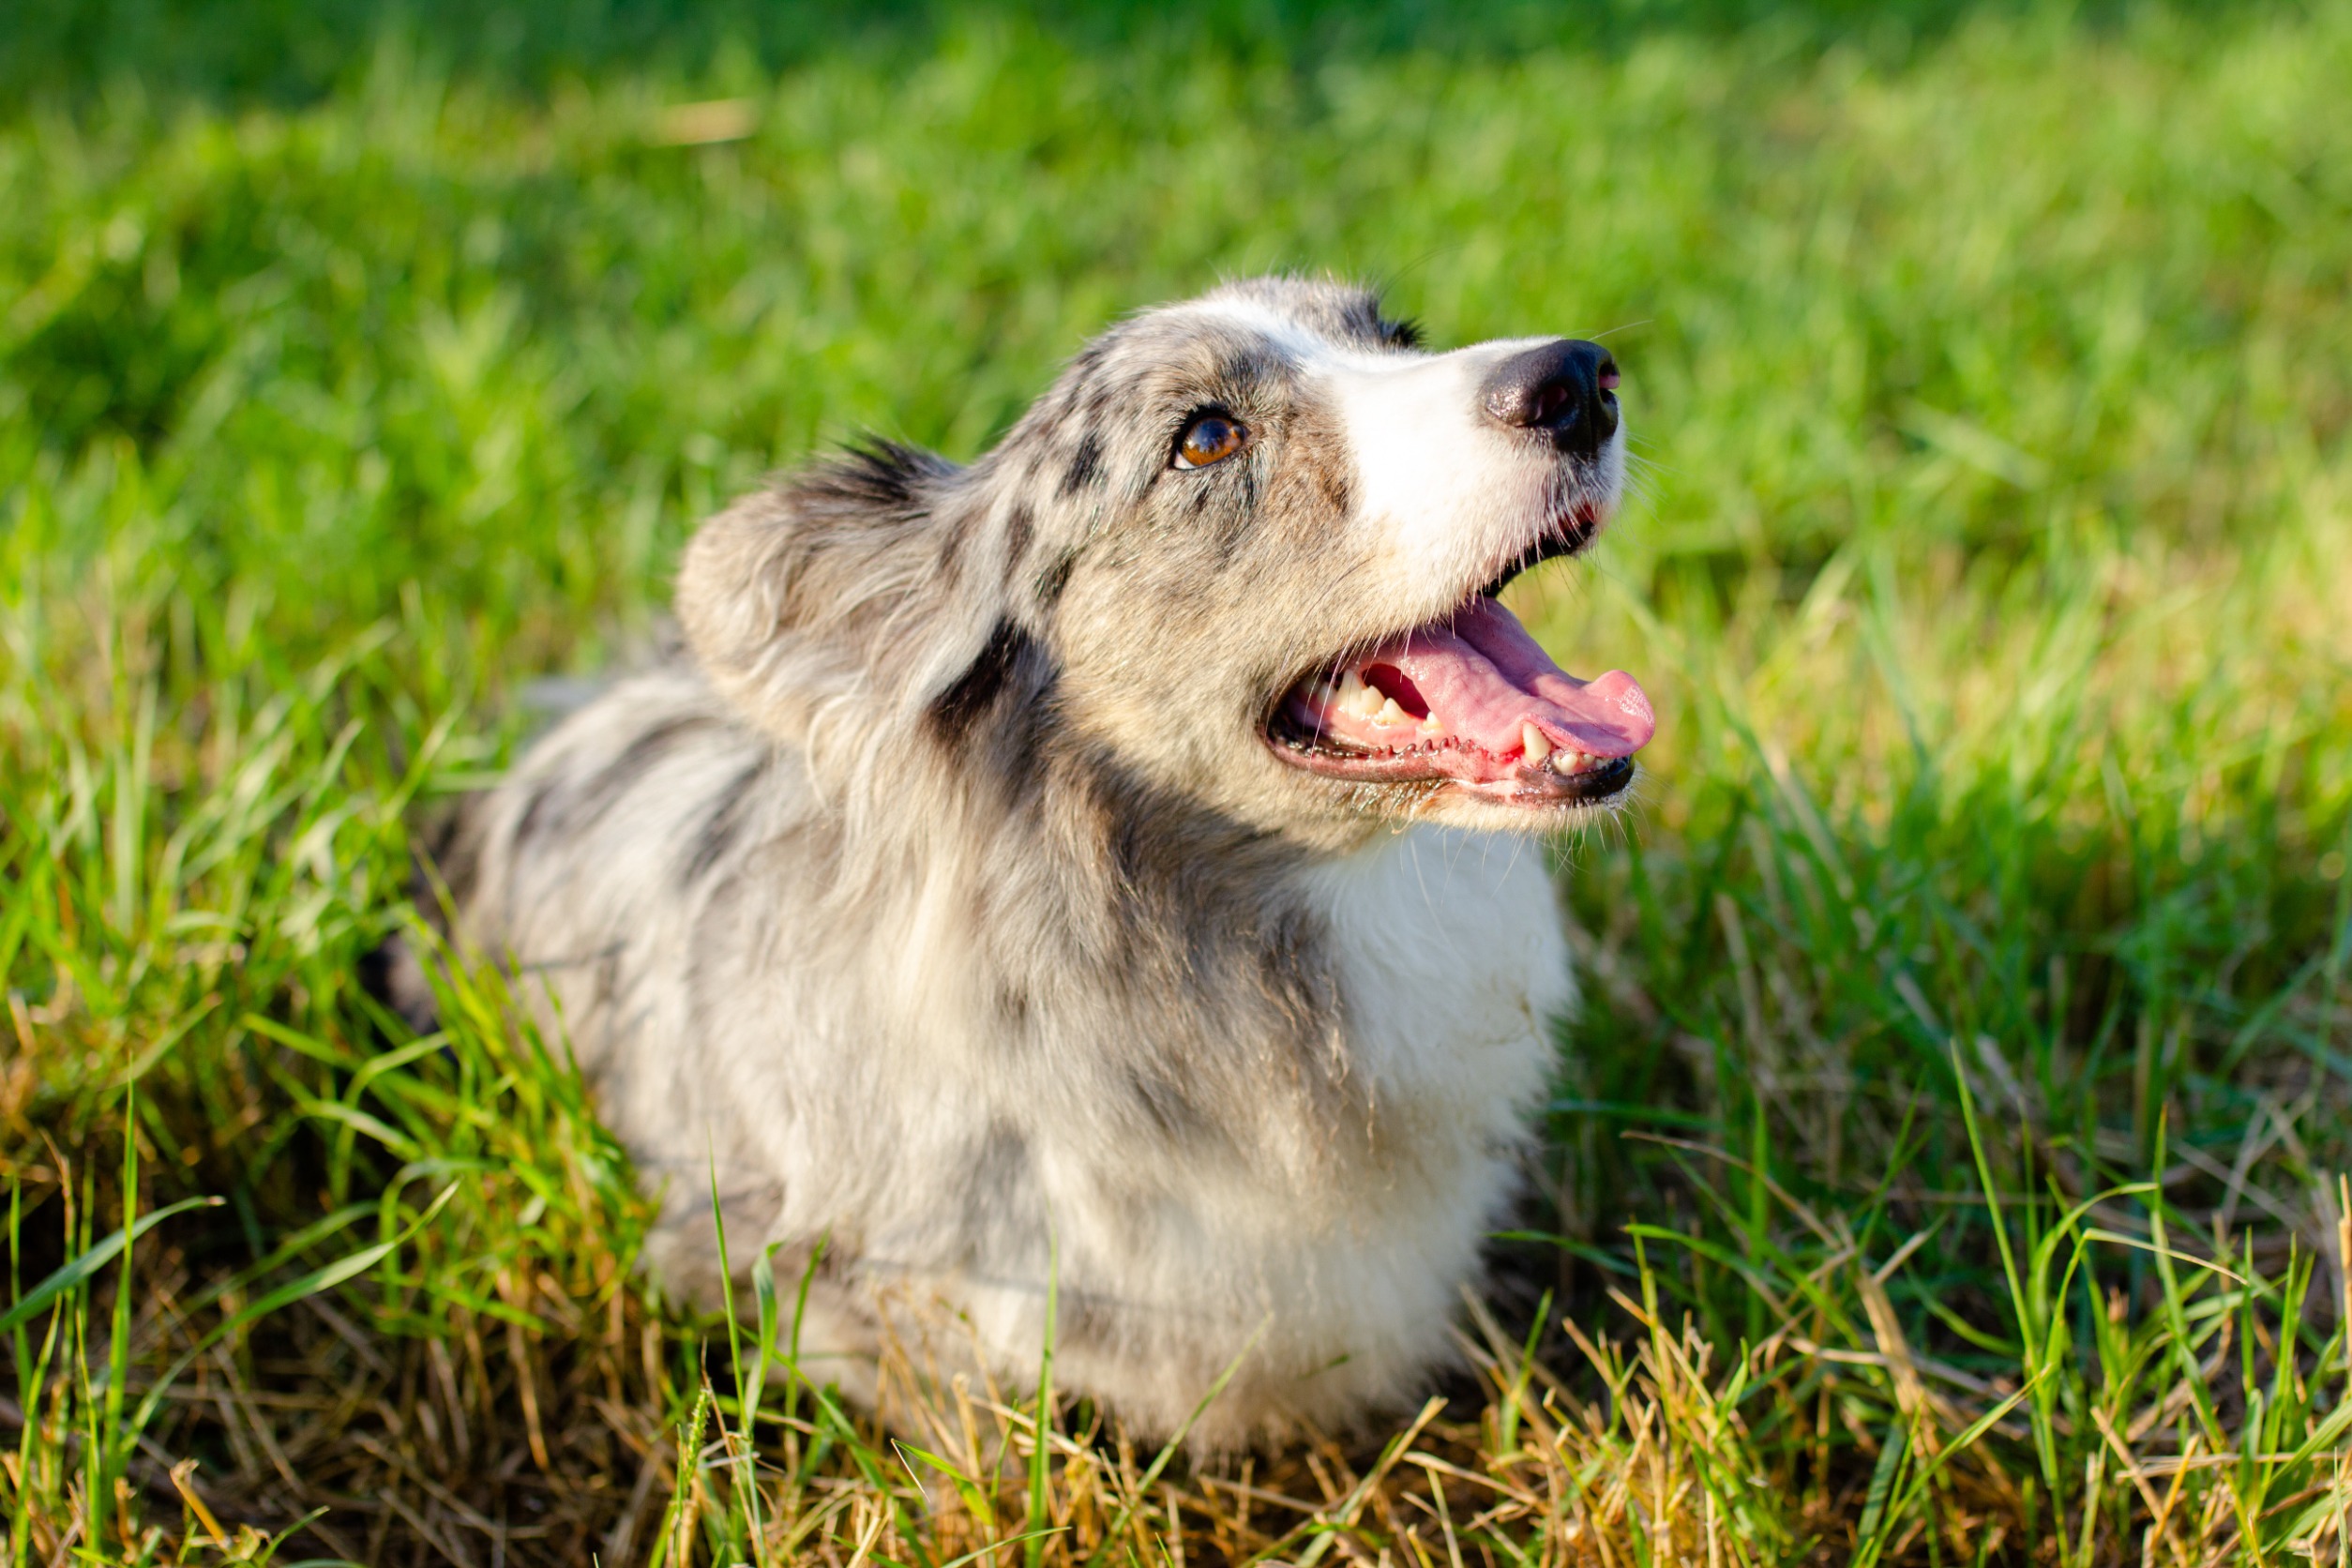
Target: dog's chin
{"type": "Point", "coordinates": [1446, 805]}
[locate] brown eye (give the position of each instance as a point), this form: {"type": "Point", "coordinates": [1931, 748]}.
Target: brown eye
{"type": "Point", "coordinates": [1211, 438]}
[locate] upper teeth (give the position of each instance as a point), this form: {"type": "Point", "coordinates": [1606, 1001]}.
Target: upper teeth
{"type": "Point", "coordinates": [1533, 741]}
{"type": "Point", "coordinates": [1365, 700]}
{"type": "Point", "coordinates": [1355, 697]}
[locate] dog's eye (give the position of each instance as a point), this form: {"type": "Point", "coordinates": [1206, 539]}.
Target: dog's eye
{"type": "Point", "coordinates": [1211, 438]}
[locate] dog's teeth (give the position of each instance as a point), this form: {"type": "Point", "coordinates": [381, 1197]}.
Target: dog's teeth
{"type": "Point", "coordinates": [1392, 714]}
{"type": "Point", "coordinates": [1357, 697]}
{"type": "Point", "coordinates": [1536, 747]}
{"type": "Point", "coordinates": [1431, 726]}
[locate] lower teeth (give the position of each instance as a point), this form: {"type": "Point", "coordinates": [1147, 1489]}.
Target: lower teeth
{"type": "Point", "coordinates": [1563, 762]}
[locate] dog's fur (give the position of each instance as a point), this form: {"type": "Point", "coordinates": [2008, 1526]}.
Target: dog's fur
{"type": "Point", "coordinates": [950, 904]}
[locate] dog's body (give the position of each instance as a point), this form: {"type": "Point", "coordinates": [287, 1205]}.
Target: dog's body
{"type": "Point", "coordinates": [1020, 883]}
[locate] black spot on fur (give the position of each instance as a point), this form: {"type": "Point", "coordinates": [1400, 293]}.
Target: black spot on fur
{"type": "Point", "coordinates": [1026, 743]}
{"type": "Point", "coordinates": [1086, 466]}
{"type": "Point", "coordinates": [723, 824]}
{"type": "Point", "coordinates": [954, 534]}
{"type": "Point", "coordinates": [1358, 316]}
{"type": "Point", "coordinates": [1146, 856]}
{"type": "Point", "coordinates": [870, 476]}
{"type": "Point", "coordinates": [1239, 375]}
{"type": "Point", "coordinates": [1056, 575]}
{"type": "Point", "coordinates": [1021, 526]}
{"type": "Point", "coordinates": [977, 689]}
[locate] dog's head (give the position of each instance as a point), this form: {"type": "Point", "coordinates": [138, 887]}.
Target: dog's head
{"type": "Point", "coordinates": [1246, 550]}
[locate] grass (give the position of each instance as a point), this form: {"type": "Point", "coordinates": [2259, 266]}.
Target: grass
{"type": "Point", "coordinates": [1947, 1165]}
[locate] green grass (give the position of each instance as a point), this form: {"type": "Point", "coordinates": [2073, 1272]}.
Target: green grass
{"type": "Point", "coordinates": [1945, 1167]}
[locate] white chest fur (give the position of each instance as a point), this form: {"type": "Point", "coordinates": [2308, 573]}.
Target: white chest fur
{"type": "Point", "coordinates": [1451, 965]}
{"type": "Point", "coordinates": [1452, 962]}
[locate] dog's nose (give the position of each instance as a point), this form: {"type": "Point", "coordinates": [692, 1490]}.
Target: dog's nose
{"type": "Point", "coordinates": [1562, 387]}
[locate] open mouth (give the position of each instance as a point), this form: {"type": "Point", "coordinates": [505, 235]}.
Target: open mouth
{"type": "Point", "coordinates": [1470, 700]}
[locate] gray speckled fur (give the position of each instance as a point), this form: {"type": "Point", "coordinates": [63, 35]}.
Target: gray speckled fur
{"type": "Point", "coordinates": [947, 901]}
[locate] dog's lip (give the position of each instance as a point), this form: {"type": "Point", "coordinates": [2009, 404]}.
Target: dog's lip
{"type": "Point", "coordinates": [1534, 787]}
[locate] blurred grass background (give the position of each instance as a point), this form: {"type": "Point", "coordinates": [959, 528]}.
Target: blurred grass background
{"type": "Point", "coordinates": [1992, 571]}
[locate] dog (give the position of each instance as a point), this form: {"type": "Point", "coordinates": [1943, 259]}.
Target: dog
{"type": "Point", "coordinates": [1100, 873]}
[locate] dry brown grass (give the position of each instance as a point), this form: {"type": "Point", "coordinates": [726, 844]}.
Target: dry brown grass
{"type": "Point", "coordinates": [566, 1420]}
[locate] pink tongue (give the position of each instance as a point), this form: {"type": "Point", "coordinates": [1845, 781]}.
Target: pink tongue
{"type": "Point", "coordinates": [1484, 678]}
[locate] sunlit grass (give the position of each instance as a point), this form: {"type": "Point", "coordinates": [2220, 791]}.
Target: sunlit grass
{"type": "Point", "coordinates": [1946, 1166]}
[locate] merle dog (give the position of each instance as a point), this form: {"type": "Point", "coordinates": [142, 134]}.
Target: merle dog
{"type": "Point", "coordinates": [1106, 860]}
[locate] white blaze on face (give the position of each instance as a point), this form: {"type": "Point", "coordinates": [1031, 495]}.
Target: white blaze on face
{"type": "Point", "coordinates": [1441, 491]}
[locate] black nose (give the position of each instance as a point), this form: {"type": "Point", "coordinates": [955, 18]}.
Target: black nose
{"type": "Point", "coordinates": [1563, 389]}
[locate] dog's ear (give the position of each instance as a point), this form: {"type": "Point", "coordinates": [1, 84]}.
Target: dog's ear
{"type": "Point", "coordinates": [838, 606]}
